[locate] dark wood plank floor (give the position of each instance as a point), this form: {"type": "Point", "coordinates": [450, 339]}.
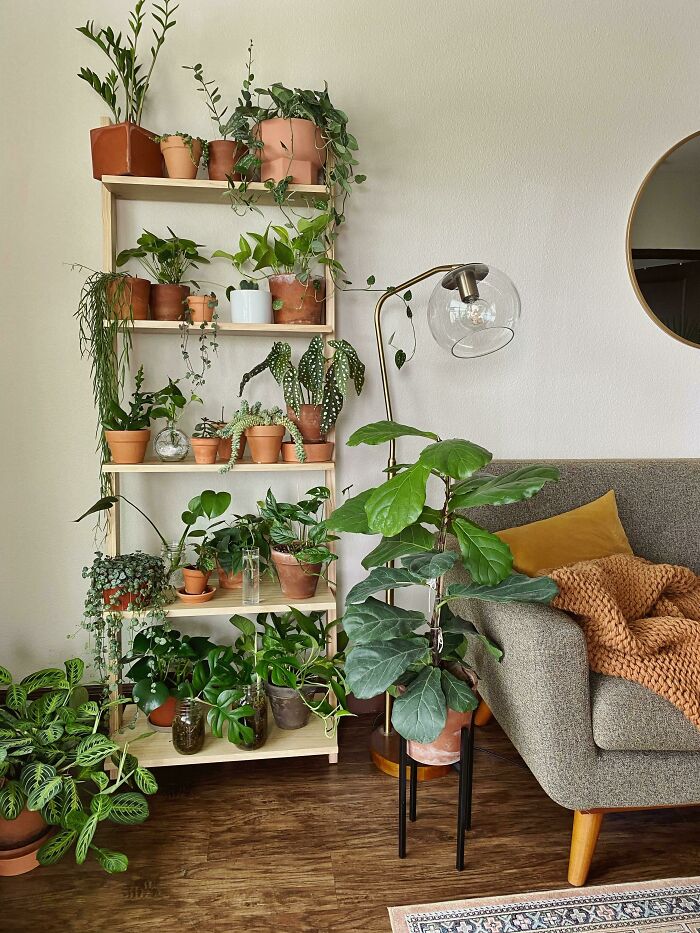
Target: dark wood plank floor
{"type": "Point", "coordinates": [306, 847]}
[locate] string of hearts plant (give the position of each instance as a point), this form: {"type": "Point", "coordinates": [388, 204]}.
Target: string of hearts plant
{"type": "Point", "coordinates": [391, 650]}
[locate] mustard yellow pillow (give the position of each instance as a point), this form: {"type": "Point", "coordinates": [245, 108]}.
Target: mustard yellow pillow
{"type": "Point", "coordinates": [593, 530]}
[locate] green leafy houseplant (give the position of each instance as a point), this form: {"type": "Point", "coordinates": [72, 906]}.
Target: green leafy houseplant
{"type": "Point", "coordinates": [293, 655]}
{"type": "Point", "coordinates": [127, 76]}
{"type": "Point", "coordinates": [169, 403]}
{"type": "Point", "coordinates": [236, 125]}
{"type": "Point", "coordinates": [317, 380]}
{"type": "Point", "coordinates": [246, 531]}
{"type": "Point", "coordinates": [298, 528]}
{"type": "Point", "coordinates": [251, 416]}
{"type": "Point", "coordinates": [168, 261]}
{"type": "Point", "coordinates": [162, 661]}
{"type": "Point", "coordinates": [138, 414]}
{"type": "Point", "coordinates": [206, 428]}
{"type": "Point", "coordinates": [51, 760]}
{"type": "Point", "coordinates": [390, 650]}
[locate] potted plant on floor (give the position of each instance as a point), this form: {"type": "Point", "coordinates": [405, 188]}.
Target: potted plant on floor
{"type": "Point", "coordinates": [314, 391]}
{"type": "Point", "coordinates": [125, 148]}
{"type": "Point", "coordinates": [161, 661]}
{"type": "Point", "coordinates": [300, 541]}
{"type": "Point", "coordinates": [183, 153]}
{"type": "Point", "coordinates": [299, 677]}
{"type": "Point", "coordinates": [127, 432]}
{"type": "Point", "coordinates": [168, 261]}
{"type": "Point", "coordinates": [249, 303]}
{"type": "Point", "coordinates": [230, 541]}
{"type": "Point", "coordinates": [390, 649]}
{"type": "Point", "coordinates": [264, 429]}
{"type": "Point", "coordinates": [54, 791]}
{"type": "Point", "coordinates": [291, 258]}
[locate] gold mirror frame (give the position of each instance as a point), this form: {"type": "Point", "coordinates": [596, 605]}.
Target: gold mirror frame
{"type": "Point", "coordinates": [628, 243]}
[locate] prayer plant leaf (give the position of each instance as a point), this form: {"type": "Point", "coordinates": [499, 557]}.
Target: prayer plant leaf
{"type": "Point", "coordinates": [486, 557]}
{"type": "Point", "coordinates": [420, 713]}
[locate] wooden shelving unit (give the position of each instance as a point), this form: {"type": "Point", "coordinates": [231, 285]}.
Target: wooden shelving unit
{"type": "Point", "coordinates": [157, 750]}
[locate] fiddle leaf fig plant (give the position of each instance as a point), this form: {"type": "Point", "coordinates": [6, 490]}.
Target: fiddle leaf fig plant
{"type": "Point", "coordinates": [390, 647]}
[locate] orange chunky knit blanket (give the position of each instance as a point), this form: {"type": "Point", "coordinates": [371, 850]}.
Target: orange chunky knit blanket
{"type": "Point", "coordinates": [641, 621]}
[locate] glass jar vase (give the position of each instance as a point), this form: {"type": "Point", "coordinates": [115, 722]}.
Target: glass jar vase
{"type": "Point", "coordinates": [188, 727]}
{"type": "Point", "coordinates": [171, 444]}
{"type": "Point", "coordinates": [256, 697]}
{"type": "Point", "coordinates": [175, 559]}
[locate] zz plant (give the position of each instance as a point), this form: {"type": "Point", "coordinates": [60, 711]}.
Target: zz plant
{"type": "Point", "coordinates": [391, 650]}
{"type": "Point", "coordinates": [317, 380]}
{"type": "Point", "coordinates": [52, 760]}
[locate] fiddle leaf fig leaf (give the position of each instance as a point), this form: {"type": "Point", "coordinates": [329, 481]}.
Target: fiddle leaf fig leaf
{"type": "Point", "coordinates": [515, 588]}
{"type": "Point", "coordinates": [504, 489]}
{"type": "Point", "coordinates": [431, 566]}
{"type": "Point", "coordinates": [420, 713]}
{"type": "Point", "coordinates": [382, 578]}
{"type": "Point", "coordinates": [371, 669]}
{"type": "Point", "coordinates": [351, 515]}
{"type": "Point", "coordinates": [375, 620]}
{"type": "Point", "coordinates": [486, 557]}
{"type": "Point", "coordinates": [458, 694]}
{"type": "Point", "coordinates": [455, 458]}
{"type": "Point", "coordinates": [415, 539]}
{"type": "Point", "coordinates": [399, 502]}
{"type": "Point", "coordinates": [379, 432]}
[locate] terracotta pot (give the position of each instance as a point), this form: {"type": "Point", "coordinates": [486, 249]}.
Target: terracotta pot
{"type": "Point", "coordinates": [223, 155]}
{"type": "Point", "coordinates": [128, 446]}
{"type": "Point", "coordinates": [20, 840]}
{"type": "Point", "coordinates": [129, 298]}
{"type": "Point", "coordinates": [122, 603]}
{"type": "Point", "coordinates": [225, 446]}
{"type": "Point", "coordinates": [229, 581]}
{"type": "Point", "coordinates": [297, 580]}
{"type": "Point", "coordinates": [302, 302]}
{"type": "Point", "coordinates": [291, 147]}
{"type": "Point", "coordinates": [288, 708]}
{"type": "Point", "coordinates": [308, 422]}
{"type": "Point", "coordinates": [265, 442]}
{"type": "Point", "coordinates": [195, 580]}
{"type": "Point", "coordinates": [205, 449]}
{"type": "Point", "coordinates": [168, 302]}
{"type": "Point", "coordinates": [201, 307]}
{"type": "Point", "coordinates": [179, 161]}
{"type": "Point", "coordinates": [163, 716]}
{"type": "Point", "coordinates": [446, 747]}
{"type": "Point", "coordinates": [315, 453]}
{"type": "Point", "coordinates": [125, 149]}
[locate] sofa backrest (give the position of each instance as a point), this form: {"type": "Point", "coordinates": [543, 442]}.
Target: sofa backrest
{"type": "Point", "coordinates": [658, 502]}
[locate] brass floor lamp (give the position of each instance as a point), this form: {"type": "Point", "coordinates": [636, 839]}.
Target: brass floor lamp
{"type": "Point", "coordinates": [473, 311]}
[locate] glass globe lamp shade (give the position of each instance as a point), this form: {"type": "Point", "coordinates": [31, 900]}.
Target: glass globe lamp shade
{"type": "Point", "coordinates": [474, 310]}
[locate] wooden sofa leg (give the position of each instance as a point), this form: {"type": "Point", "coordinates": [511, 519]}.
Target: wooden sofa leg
{"type": "Point", "coordinates": [483, 714]}
{"type": "Point", "coordinates": [584, 837]}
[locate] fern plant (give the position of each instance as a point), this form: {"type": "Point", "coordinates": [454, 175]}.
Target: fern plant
{"type": "Point", "coordinates": [317, 380]}
{"type": "Point", "coordinates": [253, 416]}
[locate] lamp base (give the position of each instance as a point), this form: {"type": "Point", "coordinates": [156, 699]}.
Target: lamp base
{"type": "Point", "coordinates": [384, 750]}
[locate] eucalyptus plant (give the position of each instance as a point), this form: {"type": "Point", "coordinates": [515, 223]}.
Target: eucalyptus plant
{"type": "Point", "coordinates": [390, 648]}
{"type": "Point", "coordinates": [52, 760]}
{"type": "Point", "coordinates": [128, 76]}
{"type": "Point", "coordinates": [317, 380]}
{"type": "Point", "coordinates": [299, 528]}
{"type": "Point", "coordinates": [253, 416]}
{"type": "Point", "coordinates": [167, 260]}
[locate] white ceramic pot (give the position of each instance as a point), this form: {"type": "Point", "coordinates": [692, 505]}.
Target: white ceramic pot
{"type": "Point", "coordinates": [251, 306]}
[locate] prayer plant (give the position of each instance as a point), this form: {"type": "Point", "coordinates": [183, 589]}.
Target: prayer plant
{"type": "Point", "coordinates": [391, 649]}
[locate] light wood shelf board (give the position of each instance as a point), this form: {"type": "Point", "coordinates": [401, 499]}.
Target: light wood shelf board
{"type": "Point", "coordinates": [152, 465]}
{"type": "Point", "coordinates": [156, 750]}
{"type": "Point", "coordinates": [194, 191]}
{"type": "Point", "coordinates": [227, 329]}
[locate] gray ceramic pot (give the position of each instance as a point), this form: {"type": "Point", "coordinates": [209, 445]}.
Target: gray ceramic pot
{"type": "Point", "coordinates": [288, 708]}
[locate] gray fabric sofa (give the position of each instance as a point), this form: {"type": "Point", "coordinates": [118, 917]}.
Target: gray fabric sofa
{"type": "Point", "coordinates": [594, 742]}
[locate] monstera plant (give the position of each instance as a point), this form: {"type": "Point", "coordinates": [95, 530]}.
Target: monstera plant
{"type": "Point", "coordinates": [390, 646]}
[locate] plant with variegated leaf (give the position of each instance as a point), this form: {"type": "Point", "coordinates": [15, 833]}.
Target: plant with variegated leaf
{"type": "Point", "coordinates": [391, 649]}
{"type": "Point", "coordinates": [253, 416]}
{"type": "Point", "coordinates": [52, 756]}
{"type": "Point", "coordinates": [318, 380]}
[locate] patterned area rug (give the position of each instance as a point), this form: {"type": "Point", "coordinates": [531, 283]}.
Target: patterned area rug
{"type": "Point", "coordinates": [671, 906]}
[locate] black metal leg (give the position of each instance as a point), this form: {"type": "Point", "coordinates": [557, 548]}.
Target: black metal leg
{"type": "Point", "coordinates": [413, 765]}
{"type": "Point", "coordinates": [402, 797]}
{"type": "Point", "coordinates": [463, 789]}
{"type": "Point", "coordinates": [470, 774]}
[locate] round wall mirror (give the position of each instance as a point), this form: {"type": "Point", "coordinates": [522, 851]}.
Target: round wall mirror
{"type": "Point", "coordinates": [663, 242]}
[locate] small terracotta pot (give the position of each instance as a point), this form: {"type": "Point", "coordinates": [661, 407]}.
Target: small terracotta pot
{"type": "Point", "coordinates": [225, 446]}
{"type": "Point", "coordinates": [291, 147]}
{"type": "Point", "coordinates": [125, 149]}
{"type": "Point", "coordinates": [168, 302]}
{"type": "Point", "coordinates": [122, 603]}
{"type": "Point", "coordinates": [308, 422]}
{"type": "Point", "coordinates": [265, 442]}
{"type": "Point", "coordinates": [202, 308]}
{"type": "Point", "coordinates": [164, 714]}
{"type": "Point", "coordinates": [223, 155]}
{"type": "Point", "coordinates": [205, 449]}
{"type": "Point", "coordinates": [297, 580]}
{"type": "Point", "coordinates": [195, 580]}
{"type": "Point", "coordinates": [129, 298]}
{"type": "Point", "coordinates": [20, 840]}
{"type": "Point", "coordinates": [315, 453]}
{"type": "Point", "coordinates": [179, 161]}
{"type": "Point", "coordinates": [128, 446]}
{"type": "Point", "coordinates": [229, 581]}
{"type": "Point", "coordinates": [445, 750]}
{"type": "Point", "coordinates": [288, 708]}
{"type": "Point", "coordinates": [302, 302]}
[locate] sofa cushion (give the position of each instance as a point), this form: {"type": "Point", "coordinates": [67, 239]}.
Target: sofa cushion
{"type": "Point", "coordinates": [628, 717]}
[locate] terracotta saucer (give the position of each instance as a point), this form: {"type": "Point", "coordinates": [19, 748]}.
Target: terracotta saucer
{"type": "Point", "coordinates": [193, 599]}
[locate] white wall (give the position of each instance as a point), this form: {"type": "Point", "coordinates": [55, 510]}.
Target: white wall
{"type": "Point", "coordinates": [501, 130]}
